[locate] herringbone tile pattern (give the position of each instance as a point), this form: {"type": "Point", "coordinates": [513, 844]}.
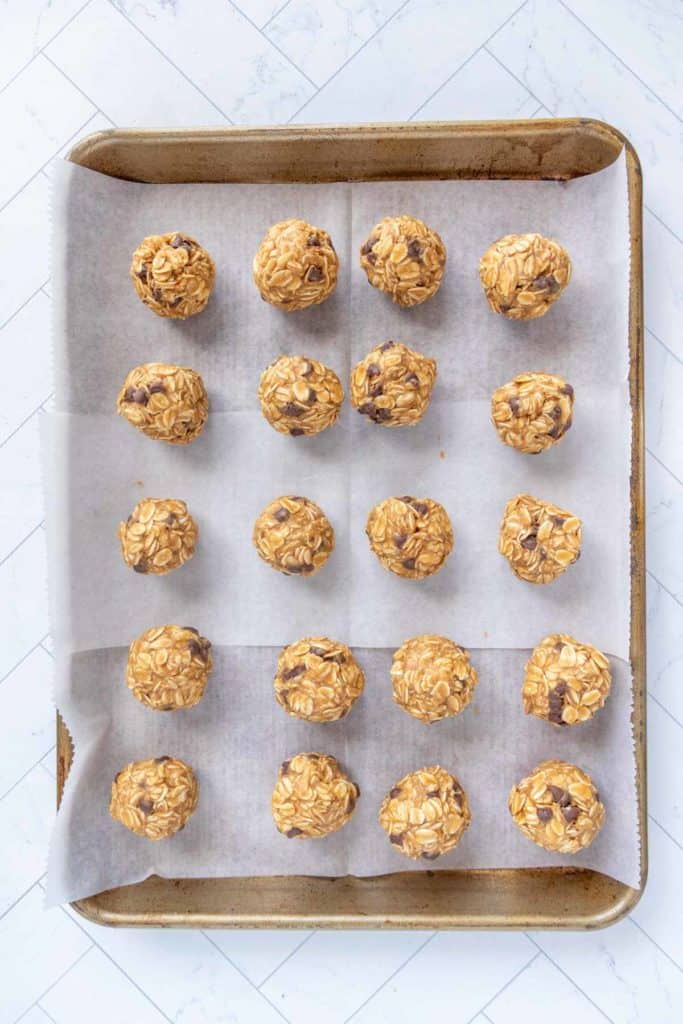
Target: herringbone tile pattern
{"type": "Point", "coordinates": [69, 68]}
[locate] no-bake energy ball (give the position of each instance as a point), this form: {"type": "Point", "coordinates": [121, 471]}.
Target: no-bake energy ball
{"type": "Point", "coordinates": [159, 535]}
{"type": "Point", "coordinates": [538, 539]}
{"type": "Point", "coordinates": [558, 807]}
{"type": "Point", "coordinates": [166, 402]}
{"type": "Point", "coordinates": [432, 677]}
{"type": "Point", "coordinates": [405, 259]}
{"type": "Point", "coordinates": [412, 537]}
{"type": "Point", "coordinates": [295, 265]}
{"type": "Point", "coordinates": [172, 275]}
{"type": "Point", "coordinates": [533, 412]}
{"type": "Point", "coordinates": [300, 396]}
{"type": "Point", "coordinates": [426, 813]}
{"type": "Point", "coordinates": [523, 275]}
{"type": "Point", "coordinates": [168, 667]}
{"type": "Point", "coordinates": [294, 536]}
{"type": "Point", "coordinates": [565, 681]}
{"type": "Point", "coordinates": [393, 385]}
{"type": "Point", "coordinates": [312, 797]}
{"type": "Point", "coordinates": [318, 679]}
{"type": "Point", "coordinates": [154, 798]}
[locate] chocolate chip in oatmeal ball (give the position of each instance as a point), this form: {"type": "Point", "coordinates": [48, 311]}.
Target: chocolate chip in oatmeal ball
{"type": "Point", "coordinates": [162, 759]}
{"type": "Point", "coordinates": [373, 370]}
{"type": "Point", "coordinates": [140, 567]}
{"type": "Point", "coordinates": [544, 813]}
{"type": "Point", "coordinates": [529, 542]}
{"type": "Point", "coordinates": [178, 242]}
{"type": "Point", "coordinates": [429, 856]}
{"type": "Point", "coordinates": [570, 813]}
{"type": "Point", "coordinates": [397, 840]}
{"type": "Point", "coordinates": [415, 250]}
{"type": "Point", "coordinates": [514, 405]}
{"type": "Point", "coordinates": [292, 673]}
{"type": "Point", "coordinates": [307, 369]}
{"type": "Point", "coordinates": [157, 388]}
{"type": "Point", "coordinates": [314, 274]}
{"type": "Point", "coordinates": [567, 390]}
{"type": "Point", "coordinates": [142, 272]}
{"type": "Point", "coordinates": [419, 507]}
{"type": "Point", "coordinates": [313, 240]}
{"type": "Point", "coordinates": [400, 540]}
{"type": "Point", "coordinates": [560, 796]}
{"type": "Point", "coordinates": [395, 792]}
{"type": "Point", "coordinates": [386, 346]}
{"type": "Point", "coordinates": [281, 514]}
{"type": "Point", "coordinates": [292, 833]}
{"type": "Point", "coordinates": [412, 378]}
{"type": "Point", "coordinates": [408, 563]}
{"type": "Point", "coordinates": [284, 767]}
{"type": "Point", "coordinates": [367, 246]}
{"type": "Point", "coordinates": [544, 281]}
{"type": "Point", "coordinates": [296, 432]}
{"type": "Point", "coordinates": [146, 806]}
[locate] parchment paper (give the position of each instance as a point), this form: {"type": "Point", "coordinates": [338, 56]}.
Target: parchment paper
{"type": "Point", "coordinates": [99, 467]}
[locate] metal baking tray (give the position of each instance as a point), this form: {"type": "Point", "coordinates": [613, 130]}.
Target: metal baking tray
{"type": "Point", "coordinates": [507, 898]}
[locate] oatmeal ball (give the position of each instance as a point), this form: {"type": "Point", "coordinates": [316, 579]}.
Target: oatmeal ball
{"type": "Point", "coordinates": [159, 535]}
{"type": "Point", "coordinates": [432, 677]}
{"type": "Point", "coordinates": [294, 536]}
{"type": "Point", "coordinates": [172, 275]}
{"type": "Point", "coordinates": [523, 275]}
{"type": "Point", "coordinates": [168, 667]}
{"type": "Point", "coordinates": [154, 798]}
{"type": "Point", "coordinates": [300, 396]}
{"type": "Point", "coordinates": [393, 385]}
{"type": "Point", "coordinates": [295, 265]}
{"type": "Point", "coordinates": [558, 807]}
{"type": "Point", "coordinates": [565, 681]}
{"type": "Point", "coordinates": [318, 679]}
{"type": "Point", "coordinates": [538, 539]}
{"type": "Point", "coordinates": [426, 813]}
{"type": "Point", "coordinates": [166, 402]}
{"type": "Point", "coordinates": [533, 412]}
{"type": "Point", "coordinates": [405, 259]}
{"type": "Point", "coordinates": [312, 797]}
{"type": "Point", "coordinates": [412, 537]}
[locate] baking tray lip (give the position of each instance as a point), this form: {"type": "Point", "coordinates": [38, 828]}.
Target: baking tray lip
{"type": "Point", "coordinates": [93, 908]}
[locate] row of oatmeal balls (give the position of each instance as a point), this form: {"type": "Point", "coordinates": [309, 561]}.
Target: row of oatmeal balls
{"type": "Point", "coordinates": [319, 680]}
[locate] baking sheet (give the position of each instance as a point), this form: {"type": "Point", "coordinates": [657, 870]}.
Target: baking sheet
{"type": "Point", "coordinates": [101, 467]}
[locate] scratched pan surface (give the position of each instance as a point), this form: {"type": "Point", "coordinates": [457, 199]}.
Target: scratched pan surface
{"type": "Point", "coordinates": [504, 898]}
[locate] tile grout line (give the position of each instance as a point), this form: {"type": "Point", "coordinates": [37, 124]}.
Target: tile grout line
{"type": "Point", "coordinates": [19, 898]}
{"type": "Point", "coordinates": [568, 977]}
{"type": "Point", "coordinates": [40, 50]}
{"type": "Point", "coordinates": [245, 976]}
{"type": "Point", "coordinates": [507, 984]}
{"type": "Point", "coordinates": [648, 330]}
{"type": "Point", "coordinates": [24, 303]}
{"type": "Point", "coordinates": [47, 651]}
{"type": "Point", "coordinates": [42, 1010]}
{"type": "Point", "coordinates": [57, 980]}
{"type": "Point", "coordinates": [391, 977]}
{"type": "Point", "coordinates": [276, 14]}
{"type": "Point", "coordinates": [194, 85]}
{"type": "Point", "coordinates": [621, 61]}
{"type": "Point", "coordinates": [23, 659]}
{"type": "Point", "coordinates": [665, 710]}
{"type": "Point", "coordinates": [96, 945]}
{"type": "Point", "coordinates": [665, 589]}
{"type": "Point", "coordinates": [75, 85]}
{"type": "Point", "coordinates": [21, 779]}
{"type": "Point", "coordinates": [509, 70]}
{"type": "Point", "coordinates": [655, 944]}
{"type": "Point", "coordinates": [667, 834]}
{"type": "Point", "coordinates": [662, 222]}
{"type": "Point", "coordinates": [275, 46]}
{"type": "Point", "coordinates": [23, 422]}
{"type": "Point", "coordinates": [283, 962]}
{"type": "Point", "coordinates": [21, 543]}
{"type": "Point", "coordinates": [663, 465]}
{"type": "Point", "coordinates": [349, 59]}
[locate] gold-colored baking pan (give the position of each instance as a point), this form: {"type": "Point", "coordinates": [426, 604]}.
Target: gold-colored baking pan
{"type": "Point", "coordinates": [505, 898]}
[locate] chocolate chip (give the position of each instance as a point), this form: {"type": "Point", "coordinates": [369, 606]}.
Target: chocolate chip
{"type": "Point", "coordinates": [296, 432]}
{"type": "Point", "coordinates": [191, 629]}
{"type": "Point", "coordinates": [292, 673]}
{"type": "Point", "coordinates": [314, 274]}
{"type": "Point", "coordinates": [396, 840]}
{"type": "Point", "coordinates": [557, 432]}
{"type": "Point", "coordinates": [412, 378]}
{"type": "Point", "coordinates": [357, 790]}
{"type": "Point", "coordinates": [420, 507]}
{"type": "Point", "coordinates": [429, 856]}
{"type": "Point", "coordinates": [432, 792]}
{"type": "Point", "coordinates": [400, 539]}
{"type": "Point", "coordinates": [371, 258]}
{"type": "Point", "coordinates": [160, 760]}
{"type": "Point", "coordinates": [555, 413]}
{"type": "Point", "coordinates": [176, 302]}
{"type": "Point", "coordinates": [158, 294]}
{"type": "Point", "coordinates": [367, 409]}
{"type": "Point", "coordinates": [139, 396]}
{"type": "Point", "coordinates": [313, 240]}
{"type": "Point", "coordinates": [376, 389]}
{"type": "Point", "coordinates": [292, 409]}
{"type": "Point", "coordinates": [570, 813]}
{"type": "Point", "coordinates": [396, 791]}
{"type": "Point", "coordinates": [407, 498]}
{"type": "Point", "coordinates": [157, 388]}
{"type": "Point", "coordinates": [544, 813]}
{"type": "Point", "coordinates": [545, 282]}
{"type": "Point", "coordinates": [567, 390]}
{"type": "Point", "coordinates": [320, 652]}
{"type": "Point", "coordinates": [529, 542]}
{"type": "Point", "coordinates": [373, 370]}
{"type": "Point", "coordinates": [414, 250]}
{"type": "Point", "coordinates": [140, 567]}
{"type": "Point", "coordinates": [558, 520]}
{"type": "Point", "coordinates": [386, 346]}
{"type": "Point", "coordinates": [146, 806]}
{"type": "Point", "coordinates": [199, 650]}
{"type": "Point", "coordinates": [178, 242]}
{"type": "Point", "coordinates": [142, 273]}
{"type": "Point", "coordinates": [514, 405]}
{"type": "Point", "coordinates": [560, 796]}
{"type": "Point", "coordinates": [293, 832]}
{"type": "Point", "coordinates": [281, 514]}
{"type": "Point", "coordinates": [284, 767]}
{"type": "Point", "coordinates": [366, 248]}
{"type": "Point", "coordinates": [381, 415]}
{"type": "Point", "coordinates": [559, 646]}
{"type": "Point", "coordinates": [128, 394]}
{"type": "Point", "coordinates": [311, 397]}
{"type": "Point", "coordinates": [129, 520]}
{"type": "Point", "coordinates": [350, 802]}
{"type": "Point", "coordinates": [307, 370]}
{"type": "Point", "coordinates": [408, 563]}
